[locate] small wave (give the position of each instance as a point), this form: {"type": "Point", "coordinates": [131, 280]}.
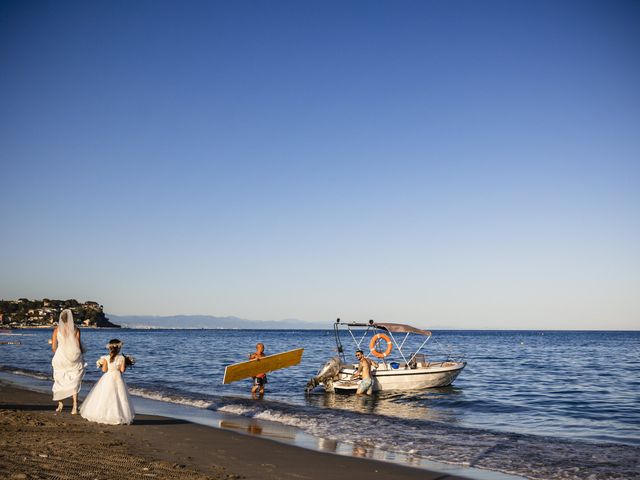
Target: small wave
{"type": "Point", "coordinates": [238, 410]}
{"type": "Point", "coordinates": [25, 372]}
{"type": "Point", "coordinates": [287, 419]}
{"type": "Point", "coordinates": [162, 397]}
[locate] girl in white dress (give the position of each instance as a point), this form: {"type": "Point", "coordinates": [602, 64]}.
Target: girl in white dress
{"type": "Point", "coordinates": [108, 401]}
{"type": "Point", "coordinates": [68, 362]}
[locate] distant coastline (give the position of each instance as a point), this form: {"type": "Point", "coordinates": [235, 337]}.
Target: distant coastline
{"type": "Point", "coordinates": [25, 313]}
{"type": "Point", "coordinates": [210, 322]}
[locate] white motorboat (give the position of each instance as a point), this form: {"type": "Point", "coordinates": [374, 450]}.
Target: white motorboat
{"type": "Point", "coordinates": [395, 369]}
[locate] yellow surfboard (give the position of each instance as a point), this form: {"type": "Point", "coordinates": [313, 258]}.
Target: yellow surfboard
{"type": "Point", "coordinates": [251, 368]}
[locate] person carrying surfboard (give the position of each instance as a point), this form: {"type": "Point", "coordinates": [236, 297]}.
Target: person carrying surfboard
{"type": "Point", "coordinates": [260, 380]}
{"type": "Point", "coordinates": [260, 364]}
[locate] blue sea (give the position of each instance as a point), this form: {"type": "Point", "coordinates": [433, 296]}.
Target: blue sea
{"type": "Point", "coordinates": [534, 404]}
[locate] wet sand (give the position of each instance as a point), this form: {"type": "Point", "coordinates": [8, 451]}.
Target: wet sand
{"type": "Point", "coordinates": [35, 443]}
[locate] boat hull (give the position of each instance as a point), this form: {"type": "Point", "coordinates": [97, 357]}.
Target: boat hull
{"type": "Point", "coordinates": [400, 379]}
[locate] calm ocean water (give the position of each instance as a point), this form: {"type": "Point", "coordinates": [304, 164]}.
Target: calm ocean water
{"type": "Point", "coordinates": [536, 404]}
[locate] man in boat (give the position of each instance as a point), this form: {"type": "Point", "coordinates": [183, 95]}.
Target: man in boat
{"type": "Point", "coordinates": [260, 380]}
{"type": "Point", "coordinates": [364, 371]}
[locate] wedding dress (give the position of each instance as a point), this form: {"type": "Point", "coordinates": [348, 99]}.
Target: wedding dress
{"type": "Point", "coordinates": [68, 362]}
{"type": "Point", "coordinates": [108, 401]}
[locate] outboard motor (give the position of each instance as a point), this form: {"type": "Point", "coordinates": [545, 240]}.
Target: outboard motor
{"type": "Point", "coordinates": [325, 375]}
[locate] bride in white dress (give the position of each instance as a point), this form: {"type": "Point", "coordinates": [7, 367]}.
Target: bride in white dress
{"type": "Point", "coordinates": [108, 401]}
{"type": "Point", "coordinates": [68, 362]}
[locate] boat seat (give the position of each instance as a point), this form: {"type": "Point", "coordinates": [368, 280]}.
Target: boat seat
{"type": "Point", "coordinates": [418, 360]}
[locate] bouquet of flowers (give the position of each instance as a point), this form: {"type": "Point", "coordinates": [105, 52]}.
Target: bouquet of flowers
{"type": "Point", "coordinates": [129, 360]}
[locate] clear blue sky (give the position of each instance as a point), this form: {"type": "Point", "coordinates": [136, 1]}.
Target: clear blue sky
{"type": "Point", "coordinates": [453, 163]}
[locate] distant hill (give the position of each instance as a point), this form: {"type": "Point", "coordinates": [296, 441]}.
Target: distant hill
{"type": "Point", "coordinates": [211, 322]}
{"type": "Point", "coordinates": [25, 313]}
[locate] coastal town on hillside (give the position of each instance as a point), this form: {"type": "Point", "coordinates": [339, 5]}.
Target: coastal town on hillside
{"type": "Point", "coordinates": [25, 313]}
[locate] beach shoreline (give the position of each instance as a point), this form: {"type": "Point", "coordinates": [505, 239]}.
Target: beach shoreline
{"type": "Point", "coordinates": [35, 442]}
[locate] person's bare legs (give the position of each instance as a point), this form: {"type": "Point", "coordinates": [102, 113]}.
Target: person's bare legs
{"type": "Point", "coordinates": [60, 406]}
{"type": "Point", "coordinates": [74, 410]}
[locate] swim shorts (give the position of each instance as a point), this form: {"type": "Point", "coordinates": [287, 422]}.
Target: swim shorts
{"type": "Point", "coordinates": [260, 381]}
{"type": "Point", "coordinates": [365, 385]}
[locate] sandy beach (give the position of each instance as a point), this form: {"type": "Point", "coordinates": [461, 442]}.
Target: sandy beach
{"type": "Point", "coordinates": [38, 444]}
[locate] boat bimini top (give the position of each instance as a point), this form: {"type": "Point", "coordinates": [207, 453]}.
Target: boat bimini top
{"type": "Point", "coordinates": [387, 328]}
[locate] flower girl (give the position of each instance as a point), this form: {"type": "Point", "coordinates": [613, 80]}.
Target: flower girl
{"type": "Point", "coordinates": [108, 401]}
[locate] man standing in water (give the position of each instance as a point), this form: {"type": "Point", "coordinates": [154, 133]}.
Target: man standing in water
{"type": "Point", "coordinates": [364, 371]}
{"type": "Point", "coordinates": [260, 380]}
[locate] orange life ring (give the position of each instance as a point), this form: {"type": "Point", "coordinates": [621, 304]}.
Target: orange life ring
{"type": "Point", "coordinates": [374, 341]}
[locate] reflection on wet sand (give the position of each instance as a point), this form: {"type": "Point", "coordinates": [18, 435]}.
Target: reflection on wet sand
{"type": "Point", "coordinates": [327, 445]}
{"type": "Point", "coordinates": [256, 428]}
{"type": "Point", "coordinates": [359, 451]}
